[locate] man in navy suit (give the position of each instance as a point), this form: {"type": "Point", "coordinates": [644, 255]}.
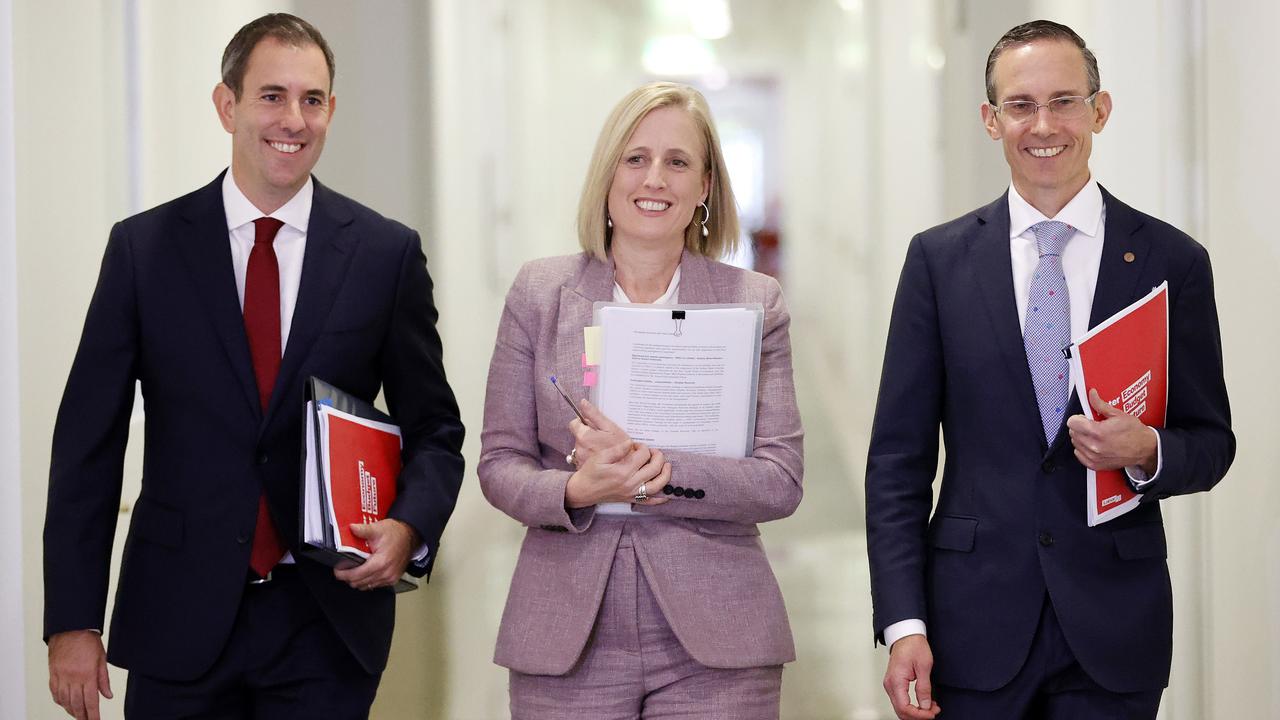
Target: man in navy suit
{"type": "Point", "coordinates": [220, 304]}
{"type": "Point", "coordinates": [1004, 603]}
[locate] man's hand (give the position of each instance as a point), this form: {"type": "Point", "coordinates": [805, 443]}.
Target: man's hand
{"type": "Point", "coordinates": [393, 542]}
{"type": "Point", "coordinates": [1117, 441]}
{"type": "Point", "coordinates": [911, 659]}
{"type": "Point", "coordinates": [78, 672]}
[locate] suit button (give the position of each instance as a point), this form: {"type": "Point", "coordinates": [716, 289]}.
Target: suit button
{"type": "Point", "coordinates": [678, 492]}
{"type": "Point", "coordinates": [1046, 539]}
{"type": "Point", "coordinates": [1049, 467]}
{"type": "Point", "coordinates": [262, 459]}
{"type": "Point", "coordinates": [241, 539]}
{"type": "Point", "coordinates": [667, 489]}
{"type": "Point", "coordinates": [699, 494]}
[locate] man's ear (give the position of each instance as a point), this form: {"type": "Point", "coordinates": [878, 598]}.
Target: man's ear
{"type": "Point", "coordinates": [989, 120]}
{"type": "Point", "coordinates": [1101, 110]}
{"type": "Point", "coordinates": [224, 102]}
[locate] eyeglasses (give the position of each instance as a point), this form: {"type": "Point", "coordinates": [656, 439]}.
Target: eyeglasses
{"type": "Point", "coordinates": [1066, 107]}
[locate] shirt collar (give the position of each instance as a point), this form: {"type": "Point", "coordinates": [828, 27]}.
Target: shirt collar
{"type": "Point", "coordinates": [620, 295]}
{"type": "Point", "coordinates": [1084, 212]}
{"type": "Point", "coordinates": [296, 213]}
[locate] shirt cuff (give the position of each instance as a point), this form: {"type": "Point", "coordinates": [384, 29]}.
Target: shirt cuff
{"type": "Point", "coordinates": [901, 629]}
{"type": "Point", "coordinates": [420, 557]}
{"type": "Point", "coordinates": [1137, 478]}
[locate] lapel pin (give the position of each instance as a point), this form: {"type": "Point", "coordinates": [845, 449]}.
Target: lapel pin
{"type": "Point", "coordinates": [1129, 257]}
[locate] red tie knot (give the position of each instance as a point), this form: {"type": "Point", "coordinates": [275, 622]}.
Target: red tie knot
{"type": "Point", "coordinates": [265, 229]}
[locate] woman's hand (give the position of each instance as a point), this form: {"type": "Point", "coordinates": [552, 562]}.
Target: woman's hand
{"type": "Point", "coordinates": [615, 473]}
{"type": "Point", "coordinates": [600, 434]}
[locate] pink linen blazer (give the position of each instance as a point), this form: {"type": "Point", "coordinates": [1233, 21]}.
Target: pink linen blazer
{"type": "Point", "coordinates": [705, 565]}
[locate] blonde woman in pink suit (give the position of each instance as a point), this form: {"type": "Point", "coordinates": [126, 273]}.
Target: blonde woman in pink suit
{"type": "Point", "coordinates": [642, 588]}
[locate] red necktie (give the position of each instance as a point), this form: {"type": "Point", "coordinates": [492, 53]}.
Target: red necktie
{"type": "Point", "coordinates": [262, 325]}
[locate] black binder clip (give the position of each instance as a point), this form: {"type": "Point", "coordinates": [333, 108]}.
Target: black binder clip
{"type": "Point", "coordinates": [678, 317]}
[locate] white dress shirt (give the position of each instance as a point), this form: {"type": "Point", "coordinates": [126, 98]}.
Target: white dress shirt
{"type": "Point", "coordinates": [1080, 258]}
{"type": "Point", "coordinates": [290, 244]}
{"type": "Point", "coordinates": [1087, 215]}
{"type": "Point", "coordinates": [670, 297]}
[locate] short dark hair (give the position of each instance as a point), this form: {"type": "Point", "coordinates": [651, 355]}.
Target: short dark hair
{"type": "Point", "coordinates": [1041, 30]}
{"type": "Point", "coordinates": [286, 28]}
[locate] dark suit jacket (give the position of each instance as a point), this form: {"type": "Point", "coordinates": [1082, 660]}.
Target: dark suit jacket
{"type": "Point", "coordinates": [165, 313]}
{"type": "Point", "coordinates": [1010, 518]}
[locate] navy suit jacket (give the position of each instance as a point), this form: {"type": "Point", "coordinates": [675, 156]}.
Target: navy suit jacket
{"type": "Point", "coordinates": [1010, 523]}
{"type": "Point", "coordinates": [165, 313]}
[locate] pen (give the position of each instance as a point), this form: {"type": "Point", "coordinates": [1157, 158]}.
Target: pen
{"type": "Point", "coordinates": [571, 403]}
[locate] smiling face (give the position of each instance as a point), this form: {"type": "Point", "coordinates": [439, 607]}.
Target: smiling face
{"type": "Point", "coordinates": [278, 124]}
{"type": "Point", "coordinates": [1047, 155]}
{"type": "Point", "coordinates": [660, 180]}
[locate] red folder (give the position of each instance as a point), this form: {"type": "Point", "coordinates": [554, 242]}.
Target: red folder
{"type": "Point", "coordinates": [1126, 358]}
{"type": "Point", "coordinates": [363, 462]}
{"type": "Point", "coordinates": [350, 464]}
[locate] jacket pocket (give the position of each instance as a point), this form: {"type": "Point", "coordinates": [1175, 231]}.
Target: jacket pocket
{"type": "Point", "coordinates": [951, 532]}
{"type": "Point", "coordinates": [1141, 542]}
{"type": "Point", "coordinates": [156, 523]}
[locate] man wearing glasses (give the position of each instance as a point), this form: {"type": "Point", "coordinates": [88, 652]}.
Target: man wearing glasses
{"type": "Point", "coordinates": [1004, 603]}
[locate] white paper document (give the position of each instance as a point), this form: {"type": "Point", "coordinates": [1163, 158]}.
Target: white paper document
{"type": "Point", "coordinates": [681, 377]}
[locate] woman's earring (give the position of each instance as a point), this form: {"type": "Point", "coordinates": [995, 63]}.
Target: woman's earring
{"type": "Point", "coordinates": [705, 217]}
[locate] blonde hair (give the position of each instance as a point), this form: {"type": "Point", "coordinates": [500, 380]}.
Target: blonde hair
{"type": "Point", "coordinates": [722, 225]}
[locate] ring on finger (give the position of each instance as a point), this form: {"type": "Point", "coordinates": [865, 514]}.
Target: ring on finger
{"type": "Point", "coordinates": [641, 495]}
{"type": "Point", "coordinates": [572, 457]}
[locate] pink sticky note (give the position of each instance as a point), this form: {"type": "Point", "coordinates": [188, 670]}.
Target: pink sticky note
{"type": "Point", "coordinates": [589, 378]}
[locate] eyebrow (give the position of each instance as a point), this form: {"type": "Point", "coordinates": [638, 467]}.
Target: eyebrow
{"type": "Point", "coordinates": [646, 149]}
{"type": "Point", "coordinates": [314, 92]}
{"type": "Point", "coordinates": [1058, 94]}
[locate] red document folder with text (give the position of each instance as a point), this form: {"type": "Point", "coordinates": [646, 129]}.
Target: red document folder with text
{"type": "Point", "coordinates": [1126, 358]}
{"type": "Point", "coordinates": [350, 465]}
{"type": "Point", "coordinates": [363, 459]}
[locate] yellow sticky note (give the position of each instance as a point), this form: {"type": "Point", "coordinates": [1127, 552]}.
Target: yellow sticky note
{"type": "Point", "coordinates": [591, 344]}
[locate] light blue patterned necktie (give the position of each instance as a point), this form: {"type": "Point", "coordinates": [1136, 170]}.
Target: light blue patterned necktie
{"type": "Point", "coordinates": [1047, 329]}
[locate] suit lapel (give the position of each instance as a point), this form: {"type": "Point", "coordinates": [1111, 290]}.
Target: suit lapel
{"type": "Point", "coordinates": [577, 300]}
{"type": "Point", "coordinates": [1118, 279]}
{"type": "Point", "coordinates": [206, 252]}
{"type": "Point", "coordinates": [993, 274]}
{"type": "Point", "coordinates": [695, 280]}
{"type": "Point", "coordinates": [324, 264]}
